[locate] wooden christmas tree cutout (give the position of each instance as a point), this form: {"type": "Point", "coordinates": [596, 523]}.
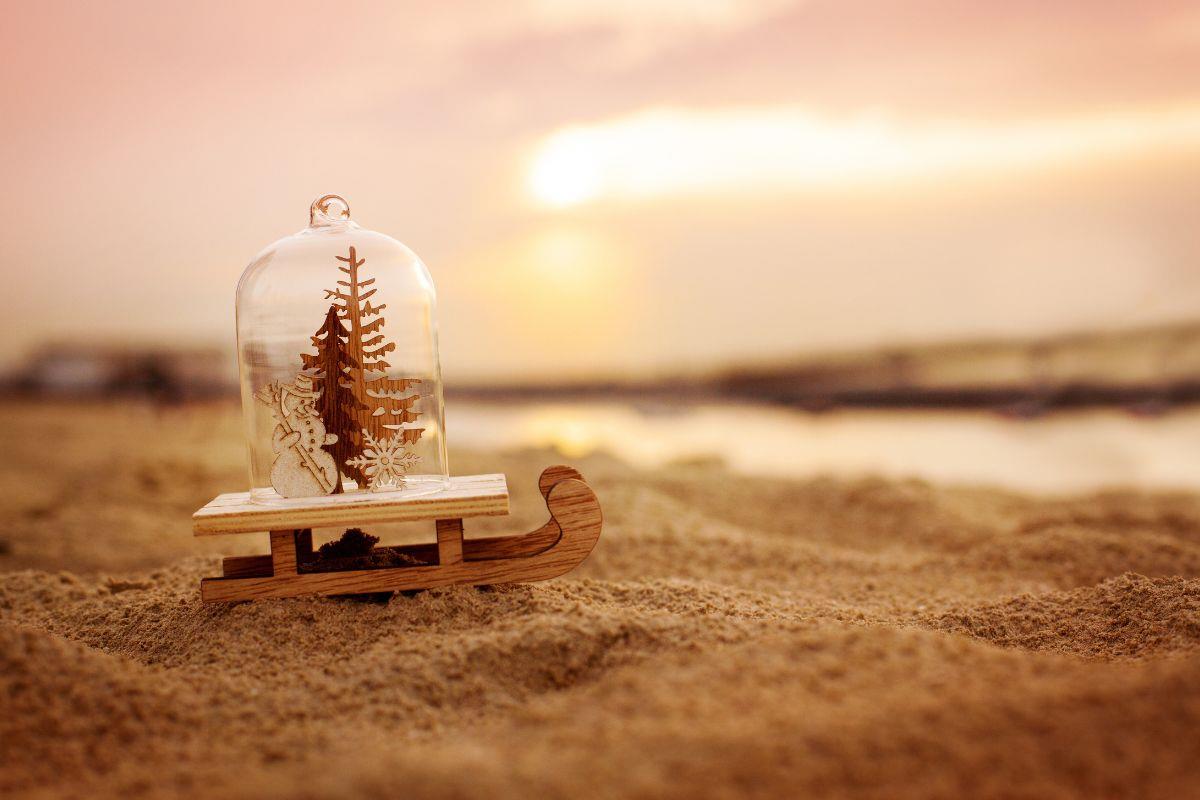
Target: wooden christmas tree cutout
{"type": "Point", "coordinates": [385, 403]}
{"type": "Point", "coordinates": [552, 550]}
{"type": "Point", "coordinates": [338, 407]}
{"type": "Point", "coordinates": [361, 405]}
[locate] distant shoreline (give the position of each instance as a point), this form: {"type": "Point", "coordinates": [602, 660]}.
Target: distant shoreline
{"type": "Point", "coordinates": [1147, 370]}
{"type": "Point", "coordinates": [1020, 400]}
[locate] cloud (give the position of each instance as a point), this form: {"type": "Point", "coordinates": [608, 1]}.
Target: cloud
{"type": "Point", "coordinates": [665, 152]}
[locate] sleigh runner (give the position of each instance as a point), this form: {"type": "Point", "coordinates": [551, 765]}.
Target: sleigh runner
{"type": "Point", "coordinates": [552, 550]}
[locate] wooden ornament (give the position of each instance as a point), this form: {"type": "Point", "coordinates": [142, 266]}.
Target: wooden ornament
{"type": "Point", "coordinates": [338, 406]}
{"type": "Point", "coordinates": [384, 461]}
{"type": "Point", "coordinates": [367, 414]}
{"type": "Point", "coordinates": [384, 404]}
{"type": "Point", "coordinates": [552, 550]}
{"type": "Point", "coordinates": [302, 467]}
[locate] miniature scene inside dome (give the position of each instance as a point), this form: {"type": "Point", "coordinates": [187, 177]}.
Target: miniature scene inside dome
{"type": "Point", "coordinates": [341, 381]}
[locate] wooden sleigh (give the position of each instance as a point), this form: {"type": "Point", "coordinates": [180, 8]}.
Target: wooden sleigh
{"type": "Point", "coordinates": [552, 550]}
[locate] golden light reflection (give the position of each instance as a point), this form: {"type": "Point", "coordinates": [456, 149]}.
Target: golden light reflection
{"type": "Point", "coordinates": [566, 260]}
{"type": "Point", "coordinates": [563, 295]}
{"type": "Point", "coordinates": [569, 437]}
{"type": "Point", "coordinates": [670, 151]}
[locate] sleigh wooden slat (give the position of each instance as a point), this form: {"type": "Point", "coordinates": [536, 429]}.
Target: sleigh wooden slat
{"type": "Point", "coordinates": [468, 496]}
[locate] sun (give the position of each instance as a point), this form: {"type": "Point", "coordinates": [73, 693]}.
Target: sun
{"type": "Point", "coordinates": [566, 171]}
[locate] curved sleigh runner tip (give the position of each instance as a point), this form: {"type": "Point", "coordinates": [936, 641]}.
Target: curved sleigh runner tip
{"type": "Point", "coordinates": [552, 550]}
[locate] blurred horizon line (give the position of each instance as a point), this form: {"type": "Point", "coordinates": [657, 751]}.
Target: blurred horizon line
{"type": "Point", "coordinates": [1147, 368]}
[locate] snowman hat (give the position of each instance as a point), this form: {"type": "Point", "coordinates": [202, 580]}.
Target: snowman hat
{"type": "Point", "coordinates": [301, 387]}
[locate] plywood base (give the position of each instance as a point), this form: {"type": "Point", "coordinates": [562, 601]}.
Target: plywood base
{"type": "Point", "coordinates": [471, 496]}
{"type": "Point", "coordinates": [552, 550]}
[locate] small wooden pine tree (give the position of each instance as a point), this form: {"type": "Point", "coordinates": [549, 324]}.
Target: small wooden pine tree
{"type": "Point", "coordinates": [387, 403]}
{"type": "Point", "coordinates": [339, 408]}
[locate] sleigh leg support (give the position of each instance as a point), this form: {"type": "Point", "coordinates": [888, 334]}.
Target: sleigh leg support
{"type": "Point", "coordinates": [552, 550]}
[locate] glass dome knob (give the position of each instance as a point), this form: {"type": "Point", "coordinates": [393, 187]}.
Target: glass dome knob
{"type": "Point", "coordinates": [327, 210]}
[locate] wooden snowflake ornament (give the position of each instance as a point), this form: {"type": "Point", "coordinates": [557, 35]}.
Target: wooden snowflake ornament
{"type": "Point", "coordinates": [384, 461]}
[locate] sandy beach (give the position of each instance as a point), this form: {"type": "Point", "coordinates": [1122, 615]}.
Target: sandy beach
{"type": "Point", "coordinates": [729, 637]}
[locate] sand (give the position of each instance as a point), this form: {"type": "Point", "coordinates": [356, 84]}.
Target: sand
{"type": "Point", "coordinates": [729, 637]}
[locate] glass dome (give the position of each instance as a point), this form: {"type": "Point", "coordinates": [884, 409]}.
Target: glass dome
{"type": "Point", "coordinates": [338, 357]}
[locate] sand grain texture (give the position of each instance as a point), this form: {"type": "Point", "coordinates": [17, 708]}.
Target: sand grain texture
{"type": "Point", "coordinates": [728, 638]}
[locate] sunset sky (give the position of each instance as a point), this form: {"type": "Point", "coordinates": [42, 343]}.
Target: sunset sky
{"type": "Point", "coordinates": [612, 187]}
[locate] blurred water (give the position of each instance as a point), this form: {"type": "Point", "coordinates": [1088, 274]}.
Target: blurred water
{"type": "Point", "coordinates": [1056, 453]}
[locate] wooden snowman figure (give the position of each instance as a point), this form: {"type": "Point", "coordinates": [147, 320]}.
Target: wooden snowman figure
{"type": "Point", "coordinates": [302, 467]}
